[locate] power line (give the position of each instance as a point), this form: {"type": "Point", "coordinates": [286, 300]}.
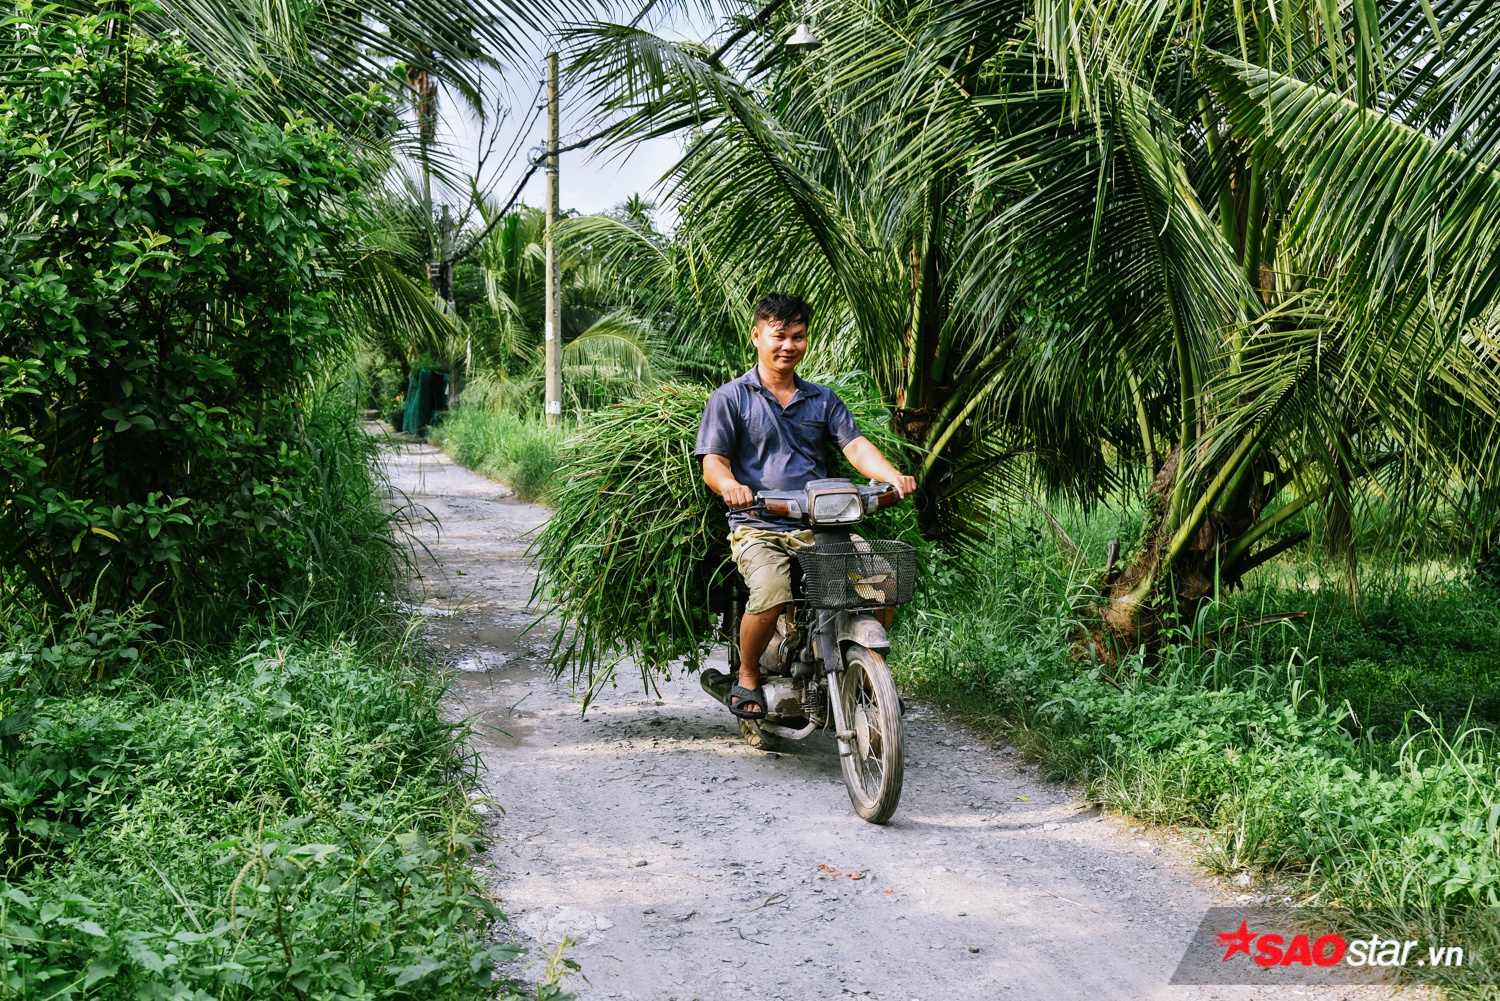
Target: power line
{"type": "Point", "coordinates": [536, 162]}
{"type": "Point", "coordinates": [535, 165]}
{"type": "Point", "coordinates": [514, 149]}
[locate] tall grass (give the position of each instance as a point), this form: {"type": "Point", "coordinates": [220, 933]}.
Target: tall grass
{"type": "Point", "coordinates": [342, 548]}
{"type": "Point", "coordinates": [1346, 758]}
{"type": "Point", "coordinates": [262, 800]}
{"type": "Point", "coordinates": [522, 452]}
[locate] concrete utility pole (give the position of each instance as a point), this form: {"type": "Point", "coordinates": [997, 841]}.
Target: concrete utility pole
{"type": "Point", "coordinates": [554, 279]}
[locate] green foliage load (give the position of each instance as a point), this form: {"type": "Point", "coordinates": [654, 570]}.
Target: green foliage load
{"type": "Point", "coordinates": [163, 297]}
{"type": "Point", "coordinates": [633, 558]}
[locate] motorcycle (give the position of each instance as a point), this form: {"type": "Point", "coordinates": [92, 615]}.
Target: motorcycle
{"type": "Point", "coordinates": [825, 665]}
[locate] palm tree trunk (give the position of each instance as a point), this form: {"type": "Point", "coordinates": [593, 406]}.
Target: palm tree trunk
{"type": "Point", "coordinates": [1180, 563]}
{"type": "Point", "coordinates": [923, 363]}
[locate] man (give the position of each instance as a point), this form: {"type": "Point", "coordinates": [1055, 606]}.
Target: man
{"type": "Point", "coordinates": [769, 430]}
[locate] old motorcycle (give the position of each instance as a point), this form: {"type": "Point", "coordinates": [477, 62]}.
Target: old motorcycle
{"type": "Point", "coordinates": [825, 665]}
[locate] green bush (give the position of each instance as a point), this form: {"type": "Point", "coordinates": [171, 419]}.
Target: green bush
{"type": "Point", "coordinates": [1251, 741]}
{"type": "Point", "coordinates": [185, 812]}
{"type": "Point", "coordinates": [163, 298]}
{"type": "Point", "coordinates": [283, 818]}
{"type": "Point", "coordinates": [286, 822]}
{"type": "Point", "coordinates": [522, 452]}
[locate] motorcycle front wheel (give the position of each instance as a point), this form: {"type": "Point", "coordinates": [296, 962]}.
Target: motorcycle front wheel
{"type": "Point", "coordinates": [872, 711]}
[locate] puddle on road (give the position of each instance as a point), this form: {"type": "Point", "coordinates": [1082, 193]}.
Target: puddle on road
{"type": "Point", "coordinates": [489, 638]}
{"type": "Point", "coordinates": [494, 635]}
{"type": "Point", "coordinates": [482, 660]}
{"type": "Point", "coordinates": [495, 698]}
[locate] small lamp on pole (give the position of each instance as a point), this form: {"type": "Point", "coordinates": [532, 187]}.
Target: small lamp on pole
{"type": "Point", "coordinates": [803, 39]}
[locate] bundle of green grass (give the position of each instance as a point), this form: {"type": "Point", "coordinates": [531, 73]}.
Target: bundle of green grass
{"type": "Point", "coordinates": [633, 559]}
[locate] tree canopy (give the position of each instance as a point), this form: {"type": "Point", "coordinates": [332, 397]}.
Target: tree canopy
{"type": "Point", "coordinates": [1240, 253]}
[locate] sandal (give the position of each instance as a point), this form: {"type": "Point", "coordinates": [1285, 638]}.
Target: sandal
{"type": "Point", "coordinates": [739, 695]}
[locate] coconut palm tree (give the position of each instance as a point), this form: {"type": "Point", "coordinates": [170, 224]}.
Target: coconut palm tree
{"type": "Point", "coordinates": [1241, 254]}
{"type": "Point", "coordinates": [317, 56]}
{"type": "Point", "coordinates": [685, 312]}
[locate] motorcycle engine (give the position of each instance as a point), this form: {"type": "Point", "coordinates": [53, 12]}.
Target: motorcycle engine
{"type": "Point", "coordinates": [784, 697]}
{"type": "Point", "coordinates": [781, 652]}
{"type": "Point", "coordinates": [781, 677]}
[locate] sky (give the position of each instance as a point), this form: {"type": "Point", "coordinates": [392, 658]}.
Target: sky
{"type": "Point", "coordinates": [588, 182]}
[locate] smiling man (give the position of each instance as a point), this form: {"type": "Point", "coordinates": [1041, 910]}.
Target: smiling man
{"type": "Point", "coordinates": [770, 430]}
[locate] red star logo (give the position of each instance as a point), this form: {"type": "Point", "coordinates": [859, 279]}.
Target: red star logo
{"type": "Point", "coordinates": [1238, 941]}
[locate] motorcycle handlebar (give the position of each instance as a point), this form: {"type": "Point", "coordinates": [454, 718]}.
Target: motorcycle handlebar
{"type": "Point", "coordinates": [779, 507]}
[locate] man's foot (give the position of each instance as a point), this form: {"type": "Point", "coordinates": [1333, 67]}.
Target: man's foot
{"type": "Point", "coordinates": [747, 703]}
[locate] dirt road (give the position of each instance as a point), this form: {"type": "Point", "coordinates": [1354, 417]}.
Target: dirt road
{"type": "Point", "coordinates": [689, 866]}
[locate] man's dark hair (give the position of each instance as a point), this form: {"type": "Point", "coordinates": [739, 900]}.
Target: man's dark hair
{"type": "Point", "coordinates": [783, 308]}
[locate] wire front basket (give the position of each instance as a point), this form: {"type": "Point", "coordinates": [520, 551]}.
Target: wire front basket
{"type": "Point", "coordinates": [858, 574]}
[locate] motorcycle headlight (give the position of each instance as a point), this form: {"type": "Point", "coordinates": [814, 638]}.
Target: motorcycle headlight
{"type": "Point", "coordinates": [837, 509]}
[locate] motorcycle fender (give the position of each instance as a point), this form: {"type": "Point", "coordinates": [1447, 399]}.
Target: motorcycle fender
{"type": "Point", "coordinates": [863, 629]}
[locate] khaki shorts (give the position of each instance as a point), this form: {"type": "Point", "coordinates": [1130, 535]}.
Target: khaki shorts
{"type": "Point", "coordinates": [765, 561]}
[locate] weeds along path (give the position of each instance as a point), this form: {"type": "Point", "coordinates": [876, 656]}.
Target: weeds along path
{"type": "Point", "coordinates": [687, 865]}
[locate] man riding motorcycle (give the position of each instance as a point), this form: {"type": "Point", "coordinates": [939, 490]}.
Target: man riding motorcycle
{"type": "Point", "coordinates": [769, 430]}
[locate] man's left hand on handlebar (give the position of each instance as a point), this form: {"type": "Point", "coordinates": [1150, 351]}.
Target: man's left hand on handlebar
{"type": "Point", "coordinates": [866, 458]}
{"type": "Point", "coordinates": [720, 479]}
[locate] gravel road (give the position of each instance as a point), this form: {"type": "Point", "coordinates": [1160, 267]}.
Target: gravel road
{"type": "Point", "coordinates": [687, 865]}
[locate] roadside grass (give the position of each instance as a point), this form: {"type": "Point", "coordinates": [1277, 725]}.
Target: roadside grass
{"type": "Point", "coordinates": [265, 800]}
{"type": "Point", "coordinates": [521, 451]}
{"type": "Point", "coordinates": [344, 546]}
{"type": "Point", "coordinates": [1423, 638]}
{"type": "Point", "coordinates": [1345, 759]}
{"type": "Point", "coordinates": [283, 820]}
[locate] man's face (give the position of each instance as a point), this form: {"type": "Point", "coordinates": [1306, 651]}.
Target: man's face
{"type": "Point", "coordinates": [779, 346]}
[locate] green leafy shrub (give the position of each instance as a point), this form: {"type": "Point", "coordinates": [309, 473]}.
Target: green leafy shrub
{"type": "Point", "coordinates": [196, 817]}
{"type": "Point", "coordinates": [1261, 755]}
{"type": "Point", "coordinates": [289, 823]}
{"type": "Point", "coordinates": [163, 295]}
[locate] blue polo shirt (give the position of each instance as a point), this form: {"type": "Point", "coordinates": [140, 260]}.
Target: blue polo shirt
{"type": "Point", "coordinates": [771, 447]}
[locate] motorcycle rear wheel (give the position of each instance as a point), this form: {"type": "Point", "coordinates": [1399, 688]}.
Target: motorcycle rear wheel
{"type": "Point", "coordinates": [872, 710]}
{"type": "Point", "coordinates": [760, 739]}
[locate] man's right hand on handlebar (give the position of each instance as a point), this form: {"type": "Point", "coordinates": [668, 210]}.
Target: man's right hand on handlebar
{"type": "Point", "coordinates": [720, 479]}
{"type": "Point", "coordinates": [738, 495]}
